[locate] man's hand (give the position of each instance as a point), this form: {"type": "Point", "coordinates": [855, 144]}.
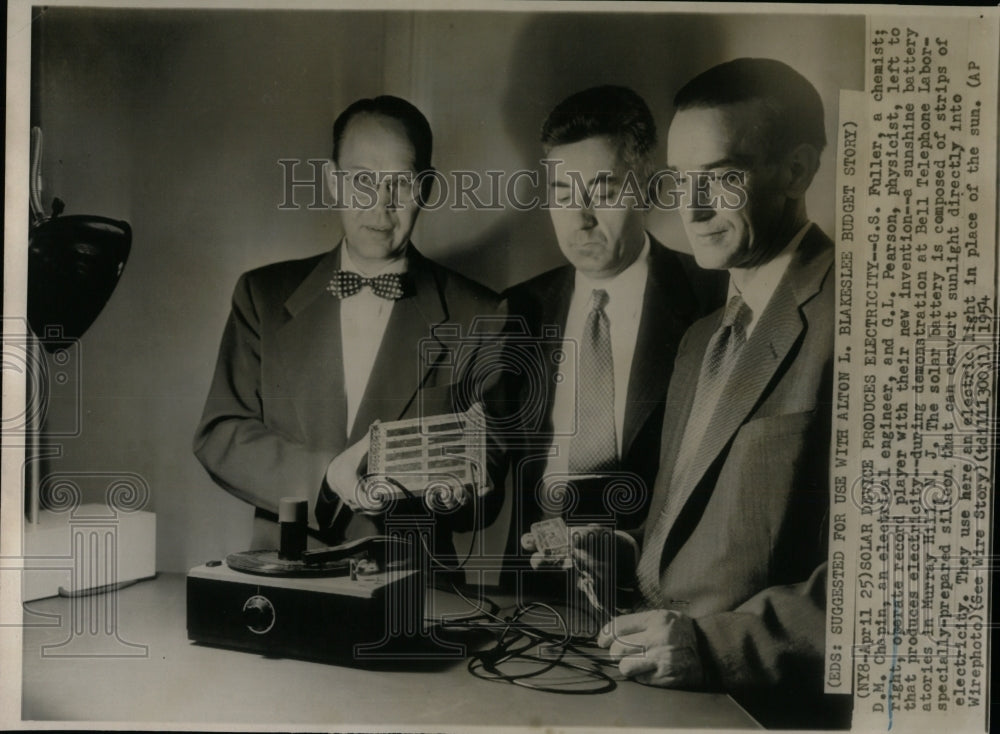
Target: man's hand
{"type": "Point", "coordinates": [372, 494]}
{"type": "Point", "coordinates": [447, 495]}
{"type": "Point", "coordinates": [589, 548]}
{"type": "Point", "coordinates": [344, 475]}
{"type": "Point", "coordinates": [591, 558]}
{"type": "Point", "coordinates": [658, 647]}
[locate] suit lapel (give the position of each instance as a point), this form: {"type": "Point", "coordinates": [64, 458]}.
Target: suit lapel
{"type": "Point", "coordinates": [757, 367]}
{"type": "Point", "coordinates": [680, 400]}
{"type": "Point", "coordinates": [309, 345]}
{"type": "Point", "coordinates": [400, 367]}
{"type": "Point", "coordinates": [654, 351]}
{"type": "Point", "coordinates": [553, 304]}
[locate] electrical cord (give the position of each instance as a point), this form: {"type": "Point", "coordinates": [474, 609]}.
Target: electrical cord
{"type": "Point", "coordinates": [514, 641]}
{"type": "Point", "coordinates": [475, 521]}
{"type": "Point", "coordinates": [35, 189]}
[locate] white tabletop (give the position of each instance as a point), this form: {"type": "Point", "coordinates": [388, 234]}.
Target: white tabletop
{"type": "Point", "coordinates": [126, 657]}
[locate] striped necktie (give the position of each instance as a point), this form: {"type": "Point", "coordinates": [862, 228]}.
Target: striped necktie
{"type": "Point", "coordinates": [720, 356]}
{"type": "Point", "coordinates": [594, 447]}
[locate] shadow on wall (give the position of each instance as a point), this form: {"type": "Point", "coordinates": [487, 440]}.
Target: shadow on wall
{"type": "Point", "coordinates": [174, 121]}
{"type": "Point", "coordinates": [553, 57]}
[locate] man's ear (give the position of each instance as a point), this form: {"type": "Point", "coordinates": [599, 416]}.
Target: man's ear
{"type": "Point", "coordinates": [801, 164]}
{"type": "Point", "coordinates": [334, 180]}
{"type": "Point", "coordinates": [426, 179]}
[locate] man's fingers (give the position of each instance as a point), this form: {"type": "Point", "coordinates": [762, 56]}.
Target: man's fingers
{"type": "Point", "coordinates": [672, 667]}
{"type": "Point", "coordinates": [657, 647]}
{"type": "Point", "coordinates": [624, 647]}
{"type": "Point", "coordinates": [632, 666]}
{"type": "Point", "coordinates": [657, 678]}
{"type": "Point", "coordinates": [606, 635]}
{"type": "Point", "coordinates": [578, 534]}
{"type": "Point", "coordinates": [359, 458]}
{"type": "Point", "coordinates": [359, 447]}
{"type": "Point", "coordinates": [357, 454]}
{"type": "Point", "coordinates": [541, 560]}
{"type": "Point", "coordinates": [588, 535]}
{"type": "Point", "coordinates": [346, 469]}
{"type": "Point", "coordinates": [626, 624]}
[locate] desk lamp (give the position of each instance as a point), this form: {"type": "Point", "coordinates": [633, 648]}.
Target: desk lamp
{"type": "Point", "coordinates": [74, 264]}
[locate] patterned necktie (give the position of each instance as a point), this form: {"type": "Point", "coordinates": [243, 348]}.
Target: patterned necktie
{"type": "Point", "coordinates": [391, 286]}
{"type": "Point", "coordinates": [720, 356]}
{"type": "Point", "coordinates": [594, 447]}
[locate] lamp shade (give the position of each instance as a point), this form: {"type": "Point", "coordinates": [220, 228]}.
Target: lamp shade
{"type": "Point", "coordinates": [74, 263]}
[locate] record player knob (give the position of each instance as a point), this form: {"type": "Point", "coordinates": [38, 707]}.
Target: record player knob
{"type": "Point", "coordinates": [258, 614]}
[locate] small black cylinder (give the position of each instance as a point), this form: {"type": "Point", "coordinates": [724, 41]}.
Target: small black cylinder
{"type": "Point", "coordinates": [292, 518]}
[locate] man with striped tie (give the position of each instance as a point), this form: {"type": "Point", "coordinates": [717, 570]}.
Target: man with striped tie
{"type": "Point", "coordinates": [316, 350]}
{"type": "Point", "coordinates": [605, 326]}
{"type": "Point", "coordinates": [731, 575]}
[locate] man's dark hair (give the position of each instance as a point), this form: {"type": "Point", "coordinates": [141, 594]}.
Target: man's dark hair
{"type": "Point", "coordinates": [793, 110]}
{"type": "Point", "coordinates": [606, 111]}
{"type": "Point", "coordinates": [418, 130]}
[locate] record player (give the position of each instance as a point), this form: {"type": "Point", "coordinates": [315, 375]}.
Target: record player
{"type": "Point", "coordinates": [356, 602]}
{"type": "Point", "coordinates": [361, 601]}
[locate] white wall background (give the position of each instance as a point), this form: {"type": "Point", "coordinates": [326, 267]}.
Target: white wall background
{"type": "Point", "coordinates": [175, 120]}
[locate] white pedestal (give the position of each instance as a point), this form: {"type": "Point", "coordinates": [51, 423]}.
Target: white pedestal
{"type": "Point", "coordinates": [88, 548]}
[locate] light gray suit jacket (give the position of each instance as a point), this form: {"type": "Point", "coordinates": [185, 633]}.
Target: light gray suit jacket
{"type": "Point", "coordinates": [745, 553]}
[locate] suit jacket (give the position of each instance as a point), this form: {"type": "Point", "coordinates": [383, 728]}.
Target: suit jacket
{"type": "Point", "coordinates": [276, 411]}
{"type": "Point", "coordinates": [745, 553]}
{"type": "Point", "coordinates": [538, 309]}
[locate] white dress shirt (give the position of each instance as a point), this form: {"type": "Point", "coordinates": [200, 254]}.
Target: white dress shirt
{"type": "Point", "coordinates": [624, 310]}
{"type": "Point", "coordinates": [363, 319]}
{"type": "Point", "coordinates": [756, 286]}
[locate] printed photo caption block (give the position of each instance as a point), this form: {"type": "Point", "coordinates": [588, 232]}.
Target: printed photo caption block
{"type": "Point", "coordinates": [907, 621]}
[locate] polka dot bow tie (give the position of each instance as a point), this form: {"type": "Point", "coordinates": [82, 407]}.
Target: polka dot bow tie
{"type": "Point", "coordinates": [391, 286]}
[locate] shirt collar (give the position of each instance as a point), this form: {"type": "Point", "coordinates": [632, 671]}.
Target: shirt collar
{"type": "Point", "coordinates": [628, 283]}
{"type": "Point", "coordinates": [346, 263]}
{"type": "Point", "coordinates": [763, 281]}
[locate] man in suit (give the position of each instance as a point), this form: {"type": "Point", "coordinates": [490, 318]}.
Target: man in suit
{"type": "Point", "coordinates": [315, 350]}
{"type": "Point", "coordinates": [732, 569]}
{"type": "Point", "coordinates": [604, 327]}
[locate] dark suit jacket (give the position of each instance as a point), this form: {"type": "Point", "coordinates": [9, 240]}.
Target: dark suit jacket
{"type": "Point", "coordinates": [746, 551]}
{"type": "Point", "coordinates": [276, 411]}
{"type": "Point", "coordinates": [537, 310]}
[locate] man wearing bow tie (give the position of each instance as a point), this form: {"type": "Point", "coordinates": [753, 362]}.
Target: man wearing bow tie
{"type": "Point", "coordinates": [316, 350]}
